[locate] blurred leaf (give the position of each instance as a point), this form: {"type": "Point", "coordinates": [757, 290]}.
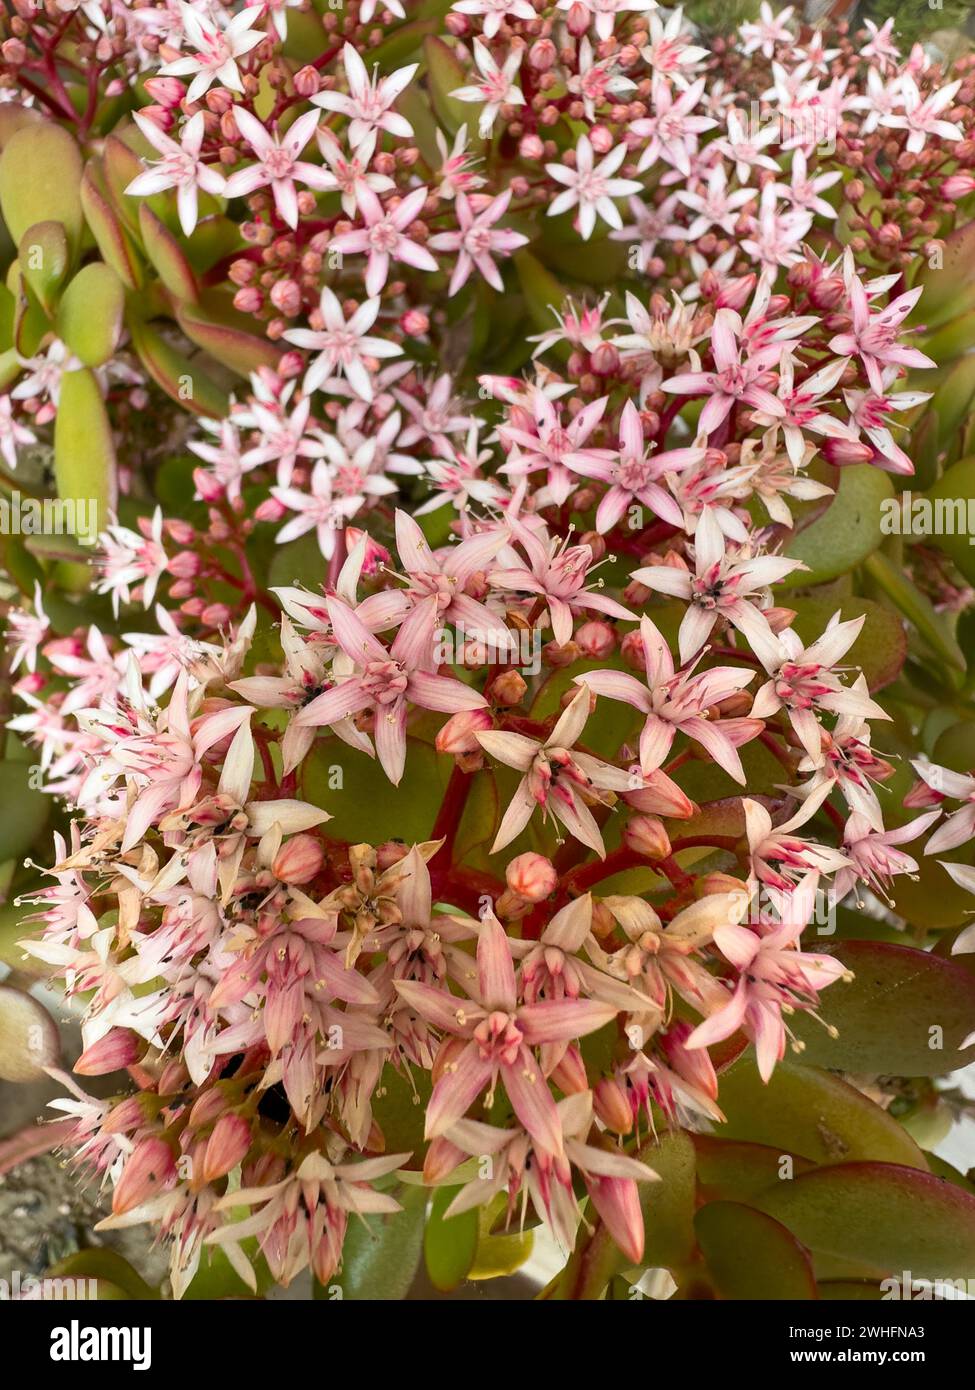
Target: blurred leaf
{"type": "Point", "coordinates": [752, 1256]}
{"type": "Point", "coordinates": [449, 1244]}
{"type": "Point", "coordinates": [445, 73]}
{"type": "Point", "coordinates": [906, 1013]}
{"type": "Point", "coordinates": [916, 607]}
{"type": "Point", "coordinates": [734, 1170]}
{"type": "Point", "coordinates": [216, 327]}
{"type": "Point", "coordinates": [40, 179]}
{"type": "Point", "coordinates": [846, 533]}
{"type": "Point", "coordinates": [84, 453]}
{"type": "Point", "coordinates": [19, 833]}
{"type": "Point", "coordinates": [106, 1266]}
{"type": "Point", "coordinates": [166, 255]}
{"type": "Point", "coordinates": [366, 807]}
{"type": "Point", "coordinates": [812, 1113]}
{"type": "Point", "coordinates": [44, 255]}
{"type": "Point", "coordinates": [884, 1215]}
{"type": "Point", "coordinates": [182, 380]}
{"type": "Point", "coordinates": [28, 1037]}
{"type": "Point", "coordinates": [90, 314]}
{"type": "Point", "coordinates": [948, 286]}
{"type": "Point", "coordinates": [114, 242]}
{"type": "Point", "coordinates": [382, 1252]}
{"type": "Point", "coordinates": [880, 649]}
{"type": "Point", "coordinates": [955, 492]}
{"type": "Point", "coordinates": [543, 293]}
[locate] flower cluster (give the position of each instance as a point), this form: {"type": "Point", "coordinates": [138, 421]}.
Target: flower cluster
{"type": "Point", "coordinates": [535, 604]}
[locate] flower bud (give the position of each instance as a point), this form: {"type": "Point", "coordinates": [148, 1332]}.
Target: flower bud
{"type": "Point", "coordinates": [596, 639]}
{"type": "Point", "coordinates": [299, 859]}
{"type": "Point", "coordinates": [507, 689]}
{"type": "Point", "coordinates": [415, 323]}
{"type": "Point", "coordinates": [658, 795]}
{"type": "Point", "coordinates": [148, 1170]}
{"type": "Point", "coordinates": [570, 1074]}
{"type": "Point", "coordinates": [117, 1049]}
{"type": "Point", "coordinates": [457, 735]}
{"type": "Point", "coordinates": [226, 1147]}
{"type": "Point", "coordinates": [710, 884]}
{"type": "Point", "coordinates": [646, 835]}
{"type": "Point", "coordinates": [843, 452]}
{"type": "Point", "coordinates": [532, 876]}
{"type": "Point", "coordinates": [611, 1105]}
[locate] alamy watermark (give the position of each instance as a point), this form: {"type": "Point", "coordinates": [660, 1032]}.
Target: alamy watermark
{"type": "Point", "coordinates": [908, 515]}
{"type": "Point", "coordinates": [50, 516]}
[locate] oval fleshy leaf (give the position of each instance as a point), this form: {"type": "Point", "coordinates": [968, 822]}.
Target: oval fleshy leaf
{"type": "Point", "coordinates": [905, 1013]}
{"type": "Point", "coordinates": [40, 180]}
{"type": "Point", "coordinates": [90, 314]}
{"type": "Point", "coordinates": [43, 256]}
{"type": "Point", "coordinates": [449, 1244]}
{"type": "Point", "coordinates": [846, 533]}
{"type": "Point", "coordinates": [812, 1113]}
{"type": "Point", "coordinates": [181, 379]}
{"type": "Point", "coordinates": [84, 454]}
{"type": "Point", "coordinates": [750, 1255]}
{"type": "Point", "coordinates": [881, 1215]}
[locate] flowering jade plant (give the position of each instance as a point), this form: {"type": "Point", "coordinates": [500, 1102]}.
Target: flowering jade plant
{"type": "Point", "coordinates": [489, 742]}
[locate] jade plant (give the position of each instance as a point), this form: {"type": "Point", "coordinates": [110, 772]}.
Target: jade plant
{"type": "Point", "coordinates": [487, 575]}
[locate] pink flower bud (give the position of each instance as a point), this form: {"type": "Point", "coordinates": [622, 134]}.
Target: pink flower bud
{"type": "Point", "coordinates": [657, 795]}
{"type": "Point", "coordinates": [128, 1116]}
{"type": "Point", "coordinates": [290, 365]}
{"type": "Point", "coordinates": [958, 186]}
{"type": "Point", "coordinates": [601, 139]}
{"type": "Point", "coordinates": [286, 297]}
{"type": "Point", "coordinates": [389, 853]}
{"type": "Point", "coordinates": [631, 650]}
{"type": "Point", "coordinates": [605, 359]}
{"type": "Point", "coordinates": [457, 735]}
{"type": "Point", "coordinates": [117, 1049]}
{"type": "Point", "coordinates": [570, 1075]}
{"type": "Point", "coordinates": [226, 1147]}
{"type": "Point", "coordinates": [595, 639]}
{"type": "Point", "coordinates": [248, 300]}
{"type": "Point", "coordinates": [532, 148]}
{"type": "Point", "coordinates": [216, 614]}
{"type": "Point", "coordinates": [441, 1160]}
{"type": "Point", "coordinates": [507, 689]}
{"type": "Point", "coordinates": [844, 452]}
{"type": "Point", "coordinates": [542, 56]}
{"type": "Point", "coordinates": [376, 555]}
{"type": "Point", "coordinates": [185, 564]}
{"type": "Point", "coordinates": [270, 510]}
{"type": "Point", "coordinates": [307, 81]}
{"type": "Point", "coordinates": [207, 485]}
{"type": "Point", "coordinates": [148, 1171]}
{"type": "Point", "coordinates": [610, 1102]}
{"type": "Point", "coordinates": [168, 91]}
{"type": "Point", "coordinates": [415, 323]}
{"type": "Point", "coordinates": [532, 876]}
{"type": "Point", "coordinates": [299, 859]}
{"type": "Point", "coordinates": [646, 835]}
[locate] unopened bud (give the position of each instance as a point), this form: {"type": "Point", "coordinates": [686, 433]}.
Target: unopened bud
{"type": "Point", "coordinates": [646, 835]}
{"type": "Point", "coordinates": [532, 876]}
{"type": "Point", "coordinates": [149, 1169]}
{"type": "Point", "coordinates": [117, 1049]}
{"type": "Point", "coordinates": [458, 734]}
{"type": "Point", "coordinates": [226, 1147]}
{"type": "Point", "coordinates": [299, 859]}
{"type": "Point", "coordinates": [611, 1105]}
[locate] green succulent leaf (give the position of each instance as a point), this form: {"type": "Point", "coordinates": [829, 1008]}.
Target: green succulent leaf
{"type": "Point", "coordinates": [40, 181]}
{"type": "Point", "coordinates": [846, 533]}
{"type": "Point", "coordinates": [91, 314]}
{"type": "Point", "coordinates": [84, 450]}
{"type": "Point", "coordinates": [881, 1215]}
{"type": "Point", "coordinates": [750, 1255]}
